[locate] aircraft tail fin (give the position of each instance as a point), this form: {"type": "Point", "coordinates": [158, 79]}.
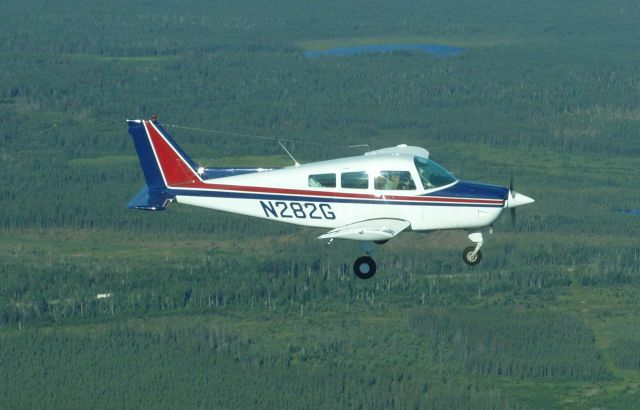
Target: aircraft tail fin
{"type": "Point", "coordinates": [164, 164]}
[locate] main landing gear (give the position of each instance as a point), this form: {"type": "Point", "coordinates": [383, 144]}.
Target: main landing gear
{"type": "Point", "coordinates": [365, 267]}
{"type": "Point", "coordinates": [472, 255]}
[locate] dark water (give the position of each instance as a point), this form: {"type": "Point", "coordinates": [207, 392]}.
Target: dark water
{"type": "Point", "coordinates": [630, 211]}
{"type": "Point", "coordinates": [434, 49]}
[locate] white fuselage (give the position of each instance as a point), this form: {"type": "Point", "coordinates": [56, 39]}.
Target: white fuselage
{"type": "Point", "coordinates": [285, 195]}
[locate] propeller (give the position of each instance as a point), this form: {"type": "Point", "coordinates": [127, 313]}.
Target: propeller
{"type": "Point", "coordinates": [511, 184]}
{"type": "Point", "coordinates": [514, 199]}
{"type": "Point", "coordinates": [512, 194]}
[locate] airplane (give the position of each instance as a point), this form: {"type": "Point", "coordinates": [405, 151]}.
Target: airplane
{"type": "Point", "coordinates": [370, 198]}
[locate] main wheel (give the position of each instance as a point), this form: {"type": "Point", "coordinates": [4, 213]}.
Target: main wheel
{"type": "Point", "coordinates": [364, 267]}
{"type": "Point", "coordinates": [469, 259]}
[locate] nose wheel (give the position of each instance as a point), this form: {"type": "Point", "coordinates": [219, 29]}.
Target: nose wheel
{"type": "Point", "coordinates": [472, 255]}
{"type": "Point", "coordinates": [364, 267]}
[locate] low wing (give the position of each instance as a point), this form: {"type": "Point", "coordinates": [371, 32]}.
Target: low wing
{"type": "Point", "coordinates": [370, 230]}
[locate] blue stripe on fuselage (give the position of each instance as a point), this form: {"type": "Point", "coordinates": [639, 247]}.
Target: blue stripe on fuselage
{"type": "Point", "coordinates": [266, 196]}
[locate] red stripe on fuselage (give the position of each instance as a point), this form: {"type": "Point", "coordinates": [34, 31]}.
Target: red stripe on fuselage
{"type": "Point", "coordinates": [284, 191]}
{"type": "Point", "coordinates": [178, 174]}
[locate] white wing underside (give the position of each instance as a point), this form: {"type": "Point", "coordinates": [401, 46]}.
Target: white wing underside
{"type": "Point", "coordinates": [370, 230]}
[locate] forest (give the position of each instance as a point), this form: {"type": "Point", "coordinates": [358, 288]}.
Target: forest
{"type": "Point", "coordinates": [106, 307]}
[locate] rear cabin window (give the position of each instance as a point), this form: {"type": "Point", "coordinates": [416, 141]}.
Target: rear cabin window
{"type": "Point", "coordinates": [394, 180]}
{"type": "Point", "coordinates": [322, 181]}
{"type": "Point", "coordinates": [354, 180]}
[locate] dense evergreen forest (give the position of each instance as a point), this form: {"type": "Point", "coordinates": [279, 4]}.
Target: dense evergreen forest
{"type": "Point", "coordinates": [105, 307]}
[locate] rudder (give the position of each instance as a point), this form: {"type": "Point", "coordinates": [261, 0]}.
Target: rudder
{"type": "Point", "coordinates": [164, 164]}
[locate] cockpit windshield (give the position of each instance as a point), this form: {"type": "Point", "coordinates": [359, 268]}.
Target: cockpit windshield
{"type": "Point", "coordinates": [432, 174]}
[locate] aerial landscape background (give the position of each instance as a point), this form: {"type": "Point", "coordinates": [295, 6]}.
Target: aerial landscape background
{"type": "Point", "coordinates": [102, 306]}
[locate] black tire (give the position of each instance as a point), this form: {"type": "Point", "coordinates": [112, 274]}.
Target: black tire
{"type": "Point", "coordinates": [466, 256]}
{"type": "Point", "coordinates": [381, 242]}
{"type": "Point", "coordinates": [364, 267]}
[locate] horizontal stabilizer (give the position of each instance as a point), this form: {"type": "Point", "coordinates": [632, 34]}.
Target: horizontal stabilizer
{"type": "Point", "coordinates": [150, 200]}
{"type": "Point", "coordinates": [370, 230]}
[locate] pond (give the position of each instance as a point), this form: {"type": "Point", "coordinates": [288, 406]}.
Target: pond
{"type": "Point", "coordinates": [438, 50]}
{"type": "Point", "coordinates": [630, 211]}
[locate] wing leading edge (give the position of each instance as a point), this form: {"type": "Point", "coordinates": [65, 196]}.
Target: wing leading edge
{"type": "Point", "coordinates": [369, 230]}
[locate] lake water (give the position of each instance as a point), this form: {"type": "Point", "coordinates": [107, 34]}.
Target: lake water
{"type": "Point", "coordinates": [438, 50]}
{"type": "Point", "coordinates": [630, 211]}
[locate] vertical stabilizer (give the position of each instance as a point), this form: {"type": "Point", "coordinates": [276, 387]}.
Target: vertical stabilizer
{"type": "Point", "coordinates": [163, 162]}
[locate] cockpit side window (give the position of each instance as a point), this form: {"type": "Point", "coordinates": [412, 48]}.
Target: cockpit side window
{"type": "Point", "coordinates": [322, 181]}
{"type": "Point", "coordinates": [432, 174]}
{"type": "Point", "coordinates": [394, 180]}
{"type": "Point", "coordinates": [354, 180]}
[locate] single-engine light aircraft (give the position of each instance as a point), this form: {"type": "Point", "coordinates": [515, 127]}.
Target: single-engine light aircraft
{"type": "Point", "coordinates": [369, 198]}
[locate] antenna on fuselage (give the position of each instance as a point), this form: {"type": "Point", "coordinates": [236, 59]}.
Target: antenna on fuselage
{"type": "Point", "coordinates": [296, 163]}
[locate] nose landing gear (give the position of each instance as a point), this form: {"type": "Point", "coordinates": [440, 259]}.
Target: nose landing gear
{"type": "Point", "coordinates": [472, 255]}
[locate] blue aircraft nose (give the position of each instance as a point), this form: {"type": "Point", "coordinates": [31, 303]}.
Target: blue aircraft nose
{"type": "Point", "coordinates": [468, 189]}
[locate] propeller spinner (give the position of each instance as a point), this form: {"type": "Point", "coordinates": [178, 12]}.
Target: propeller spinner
{"type": "Point", "coordinates": [515, 199]}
